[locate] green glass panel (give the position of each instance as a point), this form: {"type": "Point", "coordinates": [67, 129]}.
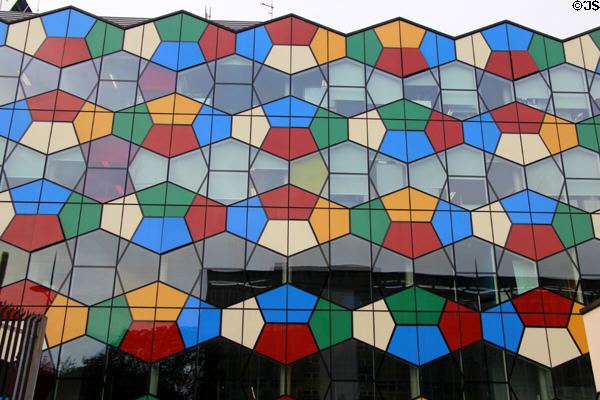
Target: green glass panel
{"type": "Point", "coordinates": [330, 324]}
{"type": "Point", "coordinates": [403, 305]}
{"type": "Point", "coordinates": [192, 28]}
{"type": "Point", "coordinates": [372, 47]}
{"type": "Point", "coordinates": [79, 215]}
{"type": "Point", "coordinates": [370, 221]}
{"type": "Point", "coordinates": [169, 28]}
{"type": "Point", "coordinates": [114, 313]}
{"type": "Point", "coordinates": [95, 39]}
{"type": "Point", "coordinates": [132, 127]}
{"type": "Point", "coordinates": [596, 37]}
{"type": "Point", "coordinates": [572, 226]}
{"type": "Point", "coordinates": [588, 133]}
{"type": "Point", "coordinates": [114, 39]}
{"type": "Point", "coordinates": [152, 200]}
{"type": "Point", "coordinates": [416, 115]}
{"type": "Point", "coordinates": [537, 51]}
{"type": "Point", "coordinates": [178, 201]}
{"type": "Point", "coordinates": [355, 47]}
{"type": "Point", "coordinates": [555, 52]}
{"type": "Point", "coordinates": [328, 128]}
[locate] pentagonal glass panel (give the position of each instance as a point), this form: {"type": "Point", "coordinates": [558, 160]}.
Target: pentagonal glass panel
{"type": "Point", "coordinates": [567, 78]}
{"type": "Point", "coordinates": [422, 88]}
{"type": "Point", "coordinates": [227, 187]}
{"type": "Point", "coordinates": [584, 193]}
{"type": "Point", "coordinates": [234, 69]}
{"type": "Point", "coordinates": [309, 85]}
{"type": "Point", "coordinates": [96, 248]}
{"type": "Point", "coordinates": [39, 77]}
{"type": "Point", "coordinates": [545, 177]}
{"type": "Point", "coordinates": [346, 72]}
{"type": "Point", "coordinates": [268, 172]}
{"type": "Point", "coordinates": [347, 101]}
{"type": "Point", "coordinates": [11, 61]}
{"type": "Point", "coordinates": [24, 165]}
{"type": "Point", "coordinates": [388, 174]}
{"type": "Point", "coordinates": [573, 107]}
{"type": "Point", "coordinates": [495, 91]}
{"type": "Point", "coordinates": [465, 160]}
{"type": "Point", "coordinates": [137, 267]}
{"type": "Point", "coordinates": [468, 192]}
{"type": "Point", "coordinates": [348, 189]}
{"type": "Point", "coordinates": [116, 95]}
{"type": "Point", "coordinates": [233, 98]}
{"type": "Point", "coordinates": [348, 157]}
{"type": "Point", "coordinates": [506, 177]}
{"type": "Point", "coordinates": [120, 66]}
{"type": "Point", "coordinates": [148, 169]}
{"type": "Point", "coordinates": [271, 84]}
{"type": "Point", "coordinates": [456, 75]}
{"type": "Point", "coordinates": [8, 89]}
{"type": "Point", "coordinates": [533, 91]}
{"type": "Point", "coordinates": [427, 175]}
{"type": "Point", "coordinates": [461, 104]}
{"type": "Point", "coordinates": [79, 79]}
{"type": "Point", "coordinates": [384, 88]}
{"type": "Point", "coordinates": [195, 83]}
{"type": "Point", "coordinates": [581, 163]}
{"type": "Point", "coordinates": [229, 155]}
{"type": "Point", "coordinates": [180, 167]}
{"type": "Point", "coordinates": [65, 167]}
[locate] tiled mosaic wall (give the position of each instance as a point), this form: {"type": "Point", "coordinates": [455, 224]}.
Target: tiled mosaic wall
{"type": "Point", "coordinates": [288, 211]}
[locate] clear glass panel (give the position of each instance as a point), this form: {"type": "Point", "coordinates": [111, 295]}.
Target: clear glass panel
{"type": "Point", "coordinates": [309, 85]}
{"type": "Point", "coordinates": [229, 155]}
{"type": "Point", "coordinates": [584, 193]}
{"type": "Point", "coordinates": [468, 192]}
{"type": "Point", "coordinates": [517, 273]}
{"type": "Point", "coordinates": [96, 249]}
{"type": "Point", "coordinates": [474, 256]}
{"type": "Point", "coordinates": [137, 267]}
{"type": "Point", "coordinates": [495, 91]}
{"type": "Point", "coordinates": [233, 98]}
{"type": "Point", "coordinates": [11, 61]}
{"type": "Point", "coordinates": [180, 167]}
{"type": "Point", "coordinates": [234, 69]}
{"type": "Point", "coordinates": [50, 267]}
{"type": "Point", "coordinates": [460, 104]}
{"type": "Point", "coordinates": [567, 78]}
{"type": "Point", "coordinates": [180, 268]}
{"type": "Point", "coordinates": [349, 189]}
{"type": "Point", "coordinates": [66, 167]}
{"type": "Point", "coordinates": [120, 66]}
{"type": "Point", "coordinates": [116, 95]}
{"type": "Point", "coordinates": [24, 165]}
{"type": "Point", "coordinates": [465, 160]}
{"type": "Point", "coordinates": [269, 172]}
{"type": "Point", "coordinates": [195, 83]}
{"type": "Point", "coordinates": [79, 79]}
{"type": "Point", "coordinates": [506, 177]}
{"type": "Point", "coordinates": [595, 89]}
{"type": "Point", "coordinates": [109, 152]}
{"type": "Point", "coordinates": [271, 84]}
{"type": "Point", "coordinates": [104, 184]}
{"type": "Point", "coordinates": [581, 163]}
{"type": "Point", "coordinates": [545, 177]}
{"type": "Point", "coordinates": [347, 101]}
{"type": "Point", "coordinates": [148, 169]}
{"type": "Point", "coordinates": [572, 106]}
{"type": "Point", "coordinates": [348, 157]}
{"type": "Point", "coordinates": [92, 285]}
{"type": "Point", "coordinates": [422, 89]}
{"type": "Point", "coordinates": [8, 89]}
{"type": "Point", "coordinates": [456, 75]}
{"type": "Point", "coordinates": [39, 77]}
{"type": "Point", "coordinates": [388, 175]}
{"type": "Point", "coordinates": [346, 72]}
{"type": "Point", "coordinates": [533, 91]}
{"type": "Point", "coordinates": [384, 88]}
{"type": "Point", "coordinates": [427, 175]}
{"type": "Point", "coordinates": [227, 187]}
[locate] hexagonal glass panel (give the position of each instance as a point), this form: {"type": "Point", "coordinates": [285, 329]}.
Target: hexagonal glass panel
{"type": "Point", "coordinates": [116, 95]}
{"type": "Point", "coordinates": [180, 167]}
{"type": "Point", "coordinates": [349, 189]}
{"type": "Point", "coordinates": [388, 174]}
{"type": "Point", "coordinates": [309, 85]}
{"type": "Point", "coordinates": [348, 158]}
{"type": "Point", "coordinates": [120, 66]}
{"type": "Point", "coordinates": [195, 83]}
{"type": "Point", "coordinates": [461, 104]}
{"type": "Point", "coordinates": [227, 187]}
{"type": "Point", "coordinates": [268, 172]}
{"type": "Point", "coordinates": [79, 79]}
{"type": "Point", "coordinates": [234, 69]}
{"type": "Point", "coordinates": [271, 84]}
{"type": "Point", "coordinates": [384, 88]}
{"type": "Point", "coordinates": [11, 61]}
{"type": "Point", "coordinates": [346, 72]}
{"type": "Point", "coordinates": [567, 78]}
{"type": "Point", "coordinates": [23, 165]}
{"type": "Point", "coordinates": [465, 160]}
{"type": "Point", "coordinates": [573, 107]}
{"type": "Point", "coordinates": [456, 75]}
{"type": "Point", "coordinates": [545, 177]}
{"type": "Point", "coordinates": [533, 91]}
{"type": "Point", "coordinates": [39, 77]}
{"type": "Point", "coordinates": [422, 88]}
{"type": "Point", "coordinates": [495, 91]}
{"type": "Point", "coordinates": [505, 177]}
{"type": "Point", "coordinates": [148, 169]}
{"type": "Point", "coordinates": [427, 175]}
{"type": "Point", "coordinates": [229, 155]}
{"type": "Point", "coordinates": [65, 167]}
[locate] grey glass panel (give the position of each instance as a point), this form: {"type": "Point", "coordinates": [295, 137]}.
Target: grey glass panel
{"type": "Point", "coordinates": [39, 77]}
{"type": "Point", "coordinates": [156, 81]}
{"type": "Point", "coordinates": [120, 66]}
{"type": "Point", "coordinates": [434, 264]}
{"type": "Point", "coordinates": [50, 267]}
{"type": "Point", "coordinates": [148, 169]}
{"type": "Point", "coordinates": [427, 175]}
{"type": "Point", "coordinates": [224, 251]}
{"type": "Point", "coordinates": [227, 187]}
{"type": "Point", "coordinates": [384, 88]}
{"type": "Point", "coordinates": [16, 269]}
{"type": "Point", "coordinates": [348, 189]}
{"type": "Point", "coordinates": [75, 357]}
{"type": "Point", "coordinates": [574, 107]}
{"type": "Point", "coordinates": [195, 83]}
{"type": "Point", "coordinates": [558, 266]}
{"type": "Point", "coordinates": [346, 72]}
{"type": "Point", "coordinates": [109, 152]}
{"type": "Point", "coordinates": [309, 85]}
{"type": "Point", "coordinates": [271, 84]}
{"type": "Point", "coordinates": [79, 79]}
{"type": "Point", "coordinates": [96, 248]}
{"type": "Point", "coordinates": [595, 89]}
{"type": "Point", "coordinates": [229, 155]}
{"type": "Point", "coordinates": [116, 95]}
{"type": "Point", "coordinates": [233, 98]}
{"type": "Point", "coordinates": [422, 89]}
{"type": "Point", "coordinates": [65, 167]}
{"type": "Point", "coordinates": [266, 260]}
{"type": "Point", "coordinates": [180, 268]}
{"type": "Point", "coordinates": [104, 184]}
{"type": "Point", "coordinates": [581, 163]}
{"type": "Point", "coordinates": [388, 175]}
{"type": "Point", "coordinates": [533, 91]}
{"type": "Point", "coordinates": [517, 273]}
{"type": "Point", "coordinates": [3, 143]}
{"type": "Point", "coordinates": [584, 193]}
{"type": "Point", "coordinates": [8, 89]}
{"type": "Point", "coordinates": [268, 172]}
{"type": "Point", "coordinates": [567, 78]}
{"type": "Point", "coordinates": [138, 267]}
{"type": "Point", "coordinates": [506, 177]}
{"type": "Point", "coordinates": [468, 192]}
{"type": "Point", "coordinates": [180, 167]}
{"type": "Point", "coordinates": [234, 69]}
{"type": "Point", "coordinates": [474, 256]}
{"type": "Point", "coordinates": [348, 157]}
{"type": "Point", "coordinates": [24, 165]}
{"type": "Point", "coordinates": [465, 160]}
{"type": "Point", "coordinates": [461, 104]}
{"type": "Point", "coordinates": [351, 252]}
{"type": "Point", "coordinates": [456, 75]}
{"type": "Point", "coordinates": [495, 91]}
{"type": "Point", "coordinates": [388, 261]}
{"type": "Point", "coordinates": [347, 101]}
{"type": "Point", "coordinates": [92, 285]}
{"type": "Point", "coordinates": [11, 61]}
{"type": "Point", "coordinates": [587, 256]}
{"type": "Point", "coordinates": [545, 177]}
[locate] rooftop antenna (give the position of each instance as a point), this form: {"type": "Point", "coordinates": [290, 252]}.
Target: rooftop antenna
{"type": "Point", "coordinates": [270, 6]}
{"type": "Point", "coordinates": [207, 12]}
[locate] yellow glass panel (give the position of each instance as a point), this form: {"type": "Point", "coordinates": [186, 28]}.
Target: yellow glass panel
{"type": "Point", "coordinates": [389, 34]}
{"type": "Point", "coordinates": [577, 328]}
{"type": "Point", "coordinates": [411, 35]}
{"type": "Point", "coordinates": [67, 320]}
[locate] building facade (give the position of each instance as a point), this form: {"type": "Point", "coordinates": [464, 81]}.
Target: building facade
{"type": "Point", "coordinates": [287, 212]}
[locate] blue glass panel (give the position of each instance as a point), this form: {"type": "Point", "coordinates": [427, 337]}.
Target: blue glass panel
{"type": "Point", "coordinates": [175, 233]}
{"type": "Point", "coordinates": [296, 302]}
{"type": "Point", "coordinates": [56, 23]}
{"type": "Point", "coordinates": [404, 343]}
{"type": "Point", "coordinates": [417, 145]}
{"type": "Point", "coordinates": [52, 198]}
{"type": "Point", "coordinates": [148, 233]}
{"type": "Point", "coordinates": [198, 322]}
{"type": "Point", "coordinates": [79, 24]}
{"type": "Point", "coordinates": [3, 29]}
{"type": "Point", "coordinates": [496, 38]}
{"type": "Point", "coordinates": [502, 326]}
{"type": "Point", "coordinates": [189, 55]}
{"type": "Point", "coordinates": [542, 208]}
{"type": "Point", "coordinates": [280, 111]}
{"type": "Point", "coordinates": [26, 197]}
{"type": "Point", "coordinates": [429, 49]}
{"type": "Point", "coordinates": [518, 38]}
{"type": "Point", "coordinates": [211, 125]}
{"type": "Point", "coordinates": [247, 213]}
{"type": "Point", "coordinates": [244, 43]}
{"type": "Point", "coordinates": [166, 54]}
{"type": "Point", "coordinates": [394, 145]}
{"type": "Point", "coordinates": [14, 123]}
{"type": "Point", "coordinates": [482, 132]}
{"type": "Point", "coordinates": [262, 44]}
{"type": "Point", "coordinates": [446, 49]}
{"type": "Point", "coordinates": [431, 344]}
{"type": "Point", "coordinates": [451, 223]}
